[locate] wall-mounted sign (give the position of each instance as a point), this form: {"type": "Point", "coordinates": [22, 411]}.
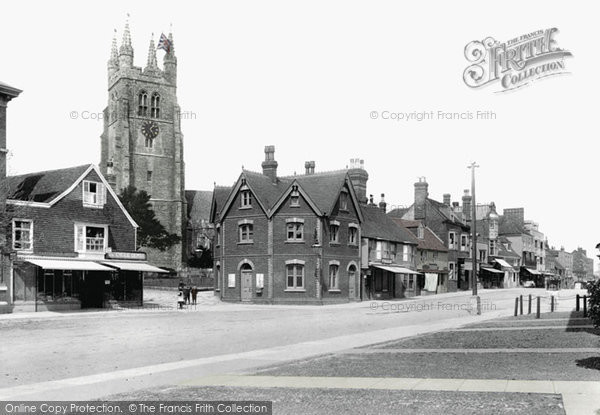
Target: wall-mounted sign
{"type": "Point", "coordinates": [132, 256]}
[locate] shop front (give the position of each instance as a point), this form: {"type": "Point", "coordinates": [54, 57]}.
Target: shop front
{"type": "Point", "coordinates": [490, 277]}
{"type": "Point", "coordinates": [389, 281]}
{"type": "Point", "coordinates": [58, 284]}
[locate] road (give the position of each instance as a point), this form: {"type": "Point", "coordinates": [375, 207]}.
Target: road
{"type": "Point", "coordinates": [38, 350]}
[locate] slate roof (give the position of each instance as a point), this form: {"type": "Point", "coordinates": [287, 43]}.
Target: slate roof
{"type": "Point", "coordinates": [506, 226]}
{"type": "Point", "coordinates": [398, 212]}
{"type": "Point", "coordinates": [219, 198]}
{"type": "Point", "coordinates": [445, 211]}
{"type": "Point", "coordinates": [430, 241]}
{"type": "Point", "coordinates": [198, 205]}
{"type": "Point", "coordinates": [43, 186]}
{"type": "Point", "coordinates": [377, 225]}
{"type": "Point", "coordinates": [323, 188]}
{"type": "Point", "coordinates": [506, 253]}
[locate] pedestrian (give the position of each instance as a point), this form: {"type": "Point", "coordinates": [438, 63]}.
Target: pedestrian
{"type": "Point", "coordinates": [180, 299]}
{"type": "Point", "coordinates": [194, 294]}
{"type": "Point", "coordinates": [186, 294]}
{"type": "Point", "coordinates": [181, 285]}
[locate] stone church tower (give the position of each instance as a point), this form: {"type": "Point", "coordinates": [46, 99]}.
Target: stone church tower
{"type": "Point", "coordinates": [142, 143]}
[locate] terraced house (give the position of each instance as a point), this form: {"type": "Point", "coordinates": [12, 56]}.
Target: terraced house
{"type": "Point", "coordinates": [293, 239]}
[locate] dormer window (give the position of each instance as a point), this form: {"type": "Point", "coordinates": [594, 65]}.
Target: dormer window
{"type": "Point", "coordinates": [155, 105]}
{"type": "Point", "coordinates": [143, 104]}
{"type": "Point", "coordinates": [94, 194]}
{"type": "Point", "coordinates": [421, 232]}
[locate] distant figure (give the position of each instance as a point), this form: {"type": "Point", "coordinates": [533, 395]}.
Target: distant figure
{"type": "Point", "coordinates": [194, 294]}
{"type": "Point", "coordinates": [186, 294]}
{"type": "Point", "coordinates": [180, 299]}
{"type": "Point", "coordinates": [181, 285]}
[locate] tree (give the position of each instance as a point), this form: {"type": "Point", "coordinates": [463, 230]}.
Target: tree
{"type": "Point", "coordinates": [151, 233]}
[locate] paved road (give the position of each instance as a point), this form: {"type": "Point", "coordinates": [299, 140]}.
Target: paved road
{"type": "Point", "coordinates": [52, 347]}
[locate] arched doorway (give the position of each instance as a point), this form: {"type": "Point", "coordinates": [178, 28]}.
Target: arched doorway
{"type": "Point", "coordinates": [246, 282]}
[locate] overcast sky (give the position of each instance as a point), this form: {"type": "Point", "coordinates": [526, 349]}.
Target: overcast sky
{"type": "Point", "coordinates": [305, 77]}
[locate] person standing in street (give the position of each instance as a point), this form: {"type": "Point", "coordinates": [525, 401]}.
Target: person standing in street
{"type": "Point", "coordinates": [194, 294]}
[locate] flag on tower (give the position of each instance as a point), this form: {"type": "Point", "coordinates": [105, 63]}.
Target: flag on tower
{"type": "Point", "coordinates": [164, 43]}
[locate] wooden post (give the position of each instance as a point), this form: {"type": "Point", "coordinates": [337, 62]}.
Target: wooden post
{"type": "Point", "coordinates": [585, 305]}
{"type": "Point", "coordinates": [537, 313]}
{"type": "Point", "coordinates": [529, 305]}
{"type": "Point", "coordinates": [577, 302]}
{"type": "Point", "coordinates": [552, 304]}
{"type": "Point", "coordinates": [521, 304]}
{"type": "Point", "coordinates": [516, 305]}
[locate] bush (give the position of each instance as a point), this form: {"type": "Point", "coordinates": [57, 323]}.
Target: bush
{"type": "Point", "coordinates": [594, 302]}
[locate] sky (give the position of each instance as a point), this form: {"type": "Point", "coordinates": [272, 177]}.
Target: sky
{"type": "Point", "coordinates": [307, 78]}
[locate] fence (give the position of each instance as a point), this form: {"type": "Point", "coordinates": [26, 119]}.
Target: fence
{"type": "Point", "coordinates": [551, 302]}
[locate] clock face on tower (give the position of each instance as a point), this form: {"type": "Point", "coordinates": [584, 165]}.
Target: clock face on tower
{"type": "Point", "coordinates": [150, 129]}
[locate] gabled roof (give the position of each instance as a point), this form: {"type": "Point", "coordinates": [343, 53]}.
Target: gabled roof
{"type": "Point", "coordinates": [320, 189]}
{"type": "Point", "coordinates": [398, 212]}
{"type": "Point", "coordinates": [46, 188]}
{"type": "Point", "coordinates": [430, 241]}
{"type": "Point", "coordinates": [219, 197]}
{"type": "Point", "coordinates": [198, 205]}
{"type": "Point", "coordinates": [446, 212]}
{"type": "Point", "coordinates": [377, 225]}
{"type": "Point", "coordinates": [43, 186]}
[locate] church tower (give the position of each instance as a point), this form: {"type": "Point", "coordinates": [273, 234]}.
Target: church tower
{"type": "Point", "coordinates": [142, 143]}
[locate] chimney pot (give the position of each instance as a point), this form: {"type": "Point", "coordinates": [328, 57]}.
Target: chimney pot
{"type": "Point", "coordinates": [269, 166]}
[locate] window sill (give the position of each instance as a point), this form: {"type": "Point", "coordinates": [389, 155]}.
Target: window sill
{"type": "Point", "coordinates": [294, 206]}
{"type": "Point", "coordinates": [245, 242]}
{"type": "Point", "coordinates": [335, 291]}
{"type": "Point", "coordinates": [334, 244]}
{"type": "Point", "coordinates": [89, 205]}
{"type": "Point", "coordinates": [295, 242]}
{"type": "Point", "coordinates": [245, 207]}
{"type": "Point", "coordinates": [294, 290]}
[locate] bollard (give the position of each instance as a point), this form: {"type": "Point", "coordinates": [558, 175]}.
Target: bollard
{"type": "Point", "coordinates": [585, 305]}
{"type": "Point", "coordinates": [552, 304]}
{"type": "Point", "coordinates": [577, 302]}
{"type": "Point", "coordinates": [529, 305]}
{"type": "Point", "coordinates": [521, 304]}
{"type": "Point", "coordinates": [537, 313]}
{"type": "Point", "coordinates": [516, 306]}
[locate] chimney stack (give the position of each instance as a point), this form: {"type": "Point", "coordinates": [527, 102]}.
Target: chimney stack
{"type": "Point", "coordinates": [382, 204]}
{"type": "Point", "coordinates": [421, 194]}
{"type": "Point", "coordinates": [466, 206]}
{"type": "Point", "coordinates": [359, 177]}
{"type": "Point", "coordinates": [310, 167]}
{"type": "Point", "coordinates": [269, 166]}
{"type": "Point", "coordinates": [371, 203]}
{"type": "Point", "coordinates": [515, 215]}
{"type": "Point", "coordinates": [447, 199]}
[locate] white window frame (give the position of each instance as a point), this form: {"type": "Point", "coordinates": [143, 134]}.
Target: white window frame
{"type": "Point", "coordinates": [334, 225]}
{"type": "Point", "coordinates": [14, 229]}
{"type": "Point", "coordinates": [452, 240]}
{"type": "Point", "coordinates": [405, 253]}
{"type": "Point", "coordinates": [295, 265]}
{"type": "Point", "coordinates": [249, 225]}
{"type": "Point", "coordinates": [99, 195]}
{"type": "Point", "coordinates": [294, 223]}
{"type": "Point", "coordinates": [245, 199]}
{"type": "Point", "coordinates": [334, 277]}
{"type": "Point", "coordinates": [353, 227]}
{"type": "Point", "coordinates": [464, 247]}
{"type": "Point", "coordinates": [452, 271]}
{"type": "Point", "coordinates": [83, 249]}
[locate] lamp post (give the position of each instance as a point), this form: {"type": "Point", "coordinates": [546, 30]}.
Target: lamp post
{"type": "Point", "coordinates": [476, 298]}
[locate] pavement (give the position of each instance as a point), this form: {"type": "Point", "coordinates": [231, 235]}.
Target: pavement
{"type": "Point", "coordinates": [244, 343]}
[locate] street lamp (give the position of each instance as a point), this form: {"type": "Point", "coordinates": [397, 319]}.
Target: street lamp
{"type": "Point", "coordinates": [473, 166]}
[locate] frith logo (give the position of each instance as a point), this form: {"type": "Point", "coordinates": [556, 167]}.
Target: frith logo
{"type": "Point", "coordinates": [515, 63]}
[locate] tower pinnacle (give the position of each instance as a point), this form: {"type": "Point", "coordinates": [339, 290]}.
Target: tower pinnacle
{"type": "Point", "coordinates": [126, 50]}
{"type": "Point", "coordinates": [152, 64]}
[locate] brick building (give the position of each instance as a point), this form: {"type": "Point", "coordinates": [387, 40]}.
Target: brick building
{"type": "Point", "coordinates": [142, 142]}
{"type": "Point", "coordinates": [293, 239]}
{"type": "Point", "coordinates": [73, 243]}
{"type": "Point", "coordinates": [450, 224]}
{"type": "Point", "coordinates": [431, 257]}
{"type": "Point", "coordinates": [583, 267]}
{"type": "Point", "coordinates": [6, 94]}
{"type": "Point", "coordinates": [387, 256]}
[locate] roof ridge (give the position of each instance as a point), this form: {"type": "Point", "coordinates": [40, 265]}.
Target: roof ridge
{"type": "Point", "coordinates": [320, 173]}
{"type": "Point", "coordinates": [51, 171]}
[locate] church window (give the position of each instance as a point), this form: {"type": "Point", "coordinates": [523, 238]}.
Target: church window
{"type": "Point", "coordinates": [143, 104]}
{"type": "Point", "coordinates": [155, 106]}
{"type": "Point", "coordinates": [149, 142]}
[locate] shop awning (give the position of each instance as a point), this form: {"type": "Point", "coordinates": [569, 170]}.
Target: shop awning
{"type": "Point", "coordinates": [533, 271]}
{"type": "Point", "coordinates": [396, 270]}
{"type": "Point", "coordinates": [134, 266]}
{"type": "Point", "coordinates": [503, 263]}
{"type": "Point", "coordinates": [69, 265]}
{"type": "Point", "coordinates": [492, 270]}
